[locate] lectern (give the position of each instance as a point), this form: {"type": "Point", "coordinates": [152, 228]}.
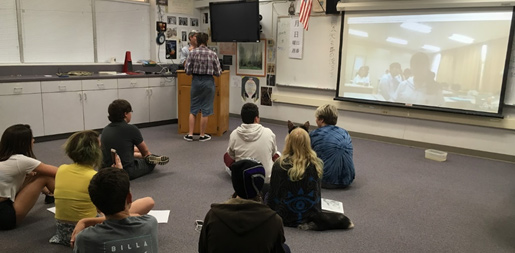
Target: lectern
{"type": "Point", "coordinates": [218, 123]}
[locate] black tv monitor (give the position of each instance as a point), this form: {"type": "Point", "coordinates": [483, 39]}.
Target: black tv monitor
{"type": "Point", "coordinates": [453, 60]}
{"type": "Point", "coordinates": [234, 21]}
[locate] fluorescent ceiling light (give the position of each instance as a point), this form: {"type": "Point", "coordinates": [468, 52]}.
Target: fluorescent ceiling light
{"type": "Point", "coordinates": [358, 33]}
{"type": "Point", "coordinates": [417, 27]}
{"type": "Point", "coordinates": [461, 38]}
{"type": "Point", "coordinates": [431, 48]}
{"type": "Point", "coordinates": [397, 41]}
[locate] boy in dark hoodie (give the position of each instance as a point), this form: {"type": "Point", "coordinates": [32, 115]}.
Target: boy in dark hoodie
{"type": "Point", "coordinates": [243, 223]}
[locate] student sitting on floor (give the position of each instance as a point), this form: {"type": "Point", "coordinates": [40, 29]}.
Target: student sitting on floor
{"type": "Point", "coordinates": [126, 223]}
{"type": "Point", "coordinates": [251, 139]}
{"type": "Point", "coordinates": [72, 201]}
{"type": "Point", "coordinates": [126, 139]}
{"type": "Point", "coordinates": [22, 177]}
{"type": "Point", "coordinates": [334, 146]}
{"type": "Point", "coordinates": [295, 191]}
{"type": "Point", "coordinates": [243, 223]}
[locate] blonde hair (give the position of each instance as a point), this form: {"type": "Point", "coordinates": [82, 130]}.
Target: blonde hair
{"type": "Point", "coordinates": [328, 113]}
{"type": "Point", "coordinates": [298, 154]}
{"type": "Point", "coordinates": [84, 148]}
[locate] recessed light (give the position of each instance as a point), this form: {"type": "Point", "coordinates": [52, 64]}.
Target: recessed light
{"type": "Point", "coordinates": [397, 41]}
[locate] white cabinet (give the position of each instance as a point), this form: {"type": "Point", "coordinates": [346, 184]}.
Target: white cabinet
{"type": "Point", "coordinates": [66, 106]}
{"type": "Point", "coordinates": [71, 106]}
{"type": "Point", "coordinates": [62, 106]}
{"type": "Point", "coordinates": [135, 90]}
{"type": "Point", "coordinates": [152, 99]}
{"type": "Point", "coordinates": [163, 98]}
{"type": "Point", "coordinates": [97, 95]}
{"type": "Point", "coordinates": [20, 103]}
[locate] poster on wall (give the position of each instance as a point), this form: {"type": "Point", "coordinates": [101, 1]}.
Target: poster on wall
{"type": "Point", "coordinates": [250, 88]}
{"type": "Point", "coordinates": [183, 21]}
{"type": "Point", "coordinates": [171, 49]}
{"type": "Point", "coordinates": [296, 39]}
{"type": "Point", "coordinates": [194, 21]}
{"type": "Point", "coordinates": [228, 48]}
{"type": "Point", "coordinates": [266, 96]}
{"type": "Point", "coordinates": [172, 20]}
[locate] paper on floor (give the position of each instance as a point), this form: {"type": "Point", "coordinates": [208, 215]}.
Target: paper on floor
{"type": "Point", "coordinates": [332, 205]}
{"type": "Point", "coordinates": [160, 215]}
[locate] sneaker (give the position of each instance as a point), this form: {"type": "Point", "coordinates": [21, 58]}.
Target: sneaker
{"type": "Point", "coordinates": [206, 137]}
{"type": "Point", "coordinates": [188, 137]}
{"type": "Point", "coordinates": [157, 159]}
{"type": "Point", "coordinates": [49, 199]}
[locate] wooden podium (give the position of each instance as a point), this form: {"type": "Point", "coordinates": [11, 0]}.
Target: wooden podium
{"type": "Point", "coordinates": [218, 123]}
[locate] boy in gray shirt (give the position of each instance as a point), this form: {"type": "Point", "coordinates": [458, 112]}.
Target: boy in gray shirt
{"type": "Point", "coordinates": [119, 230]}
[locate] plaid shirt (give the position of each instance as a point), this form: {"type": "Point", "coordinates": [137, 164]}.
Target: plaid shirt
{"type": "Point", "coordinates": [202, 61]}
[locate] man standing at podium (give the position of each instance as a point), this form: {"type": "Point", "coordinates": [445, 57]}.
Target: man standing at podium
{"type": "Point", "coordinates": [203, 64]}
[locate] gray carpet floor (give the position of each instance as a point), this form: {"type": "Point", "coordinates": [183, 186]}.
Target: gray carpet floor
{"type": "Point", "coordinates": [399, 201]}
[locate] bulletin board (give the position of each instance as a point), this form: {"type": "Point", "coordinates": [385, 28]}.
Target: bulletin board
{"type": "Point", "coordinates": [318, 67]}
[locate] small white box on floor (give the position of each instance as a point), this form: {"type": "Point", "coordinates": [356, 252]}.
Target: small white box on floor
{"type": "Point", "coordinates": [436, 155]}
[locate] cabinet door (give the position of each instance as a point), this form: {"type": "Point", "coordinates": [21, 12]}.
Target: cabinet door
{"type": "Point", "coordinates": [138, 97]}
{"type": "Point", "coordinates": [22, 109]}
{"type": "Point", "coordinates": [62, 112]}
{"type": "Point", "coordinates": [95, 107]}
{"type": "Point", "coordinates": [162, 103]}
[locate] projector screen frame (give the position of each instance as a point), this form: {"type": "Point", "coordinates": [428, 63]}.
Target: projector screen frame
{"type": "Point", "coordinates": [506, 71]}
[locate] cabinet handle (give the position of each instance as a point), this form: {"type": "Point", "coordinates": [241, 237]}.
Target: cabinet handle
{"type": "Point", "coordinates": [151, 91]}
{"type": "Point", "coordinates": [80, 96]}
{"type": "Point", "coordinates": [62, 87]}
{"type": "Point", "coordinates": [100, 85]}
{"type": "Point", "coordinates": [85, 96]}
{"type": "Point", "coordinates": [18, 90]}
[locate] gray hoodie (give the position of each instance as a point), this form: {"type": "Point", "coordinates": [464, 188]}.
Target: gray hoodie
{"type": "Point", "coordinates": [253, 141]}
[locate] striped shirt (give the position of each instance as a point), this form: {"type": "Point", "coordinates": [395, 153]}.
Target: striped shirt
{"type": "Point", "coordinates": [202, 61]}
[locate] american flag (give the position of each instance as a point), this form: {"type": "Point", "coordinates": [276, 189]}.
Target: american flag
{"type": "Point", "coordinates": [305, 11]}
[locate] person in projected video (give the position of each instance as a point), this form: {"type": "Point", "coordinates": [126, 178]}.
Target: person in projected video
{"type": "Point", "coordinates": [389, 82]}
{"type": "Point", "coordinates": [362, 77]}
{"type": "Point", "coordinates": [421, 88]}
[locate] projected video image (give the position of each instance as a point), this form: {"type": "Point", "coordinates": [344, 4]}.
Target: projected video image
{"type": "Point", "coordinates": [444, 59]}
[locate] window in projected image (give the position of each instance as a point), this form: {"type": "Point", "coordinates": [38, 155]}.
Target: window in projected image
{"type": "Point", "coordinates": [441, 59]}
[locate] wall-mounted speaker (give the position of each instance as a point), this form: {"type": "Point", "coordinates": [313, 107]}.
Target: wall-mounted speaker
{"type": "Point", "coordinates": [330, 7]}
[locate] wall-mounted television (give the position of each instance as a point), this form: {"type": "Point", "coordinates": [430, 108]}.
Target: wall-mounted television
{"type": "Point", "coordinates": [453, 60]}
{"type": "Point", "coordinates": [234, 21]}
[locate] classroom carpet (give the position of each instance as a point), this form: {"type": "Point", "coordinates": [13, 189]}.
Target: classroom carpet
{"type": "Point", "coordinates": [399, 202]}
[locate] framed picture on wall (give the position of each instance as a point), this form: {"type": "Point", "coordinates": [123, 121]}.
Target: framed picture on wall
{"type": "Point", "coordinates": [251, 58]}
{"type": "Point", "coordinates": [183, 21]}
{"type": "Point", "coordinates": [172, 20]}
{"type": "Point", "coordinates": [194, 21]}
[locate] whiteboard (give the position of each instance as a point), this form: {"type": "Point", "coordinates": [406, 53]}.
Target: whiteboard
{"type": "Point", "coordinates": [121, 27]}
{"type": "Point", "coordinates": [318, 67]}
{"type": "Point", "coordinates": [9, 47]}
{"type": "Point", "coordinates": [57, 31]}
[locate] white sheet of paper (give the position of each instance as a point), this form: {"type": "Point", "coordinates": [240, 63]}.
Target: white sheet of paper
{"type": "Point", "coordinates": [160, 215]}
{"type": "Point", "coordinates": [332, 205]}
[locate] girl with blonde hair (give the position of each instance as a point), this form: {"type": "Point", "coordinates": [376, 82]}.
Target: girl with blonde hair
{"type": "Point", "coordinates": [295, 187]}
